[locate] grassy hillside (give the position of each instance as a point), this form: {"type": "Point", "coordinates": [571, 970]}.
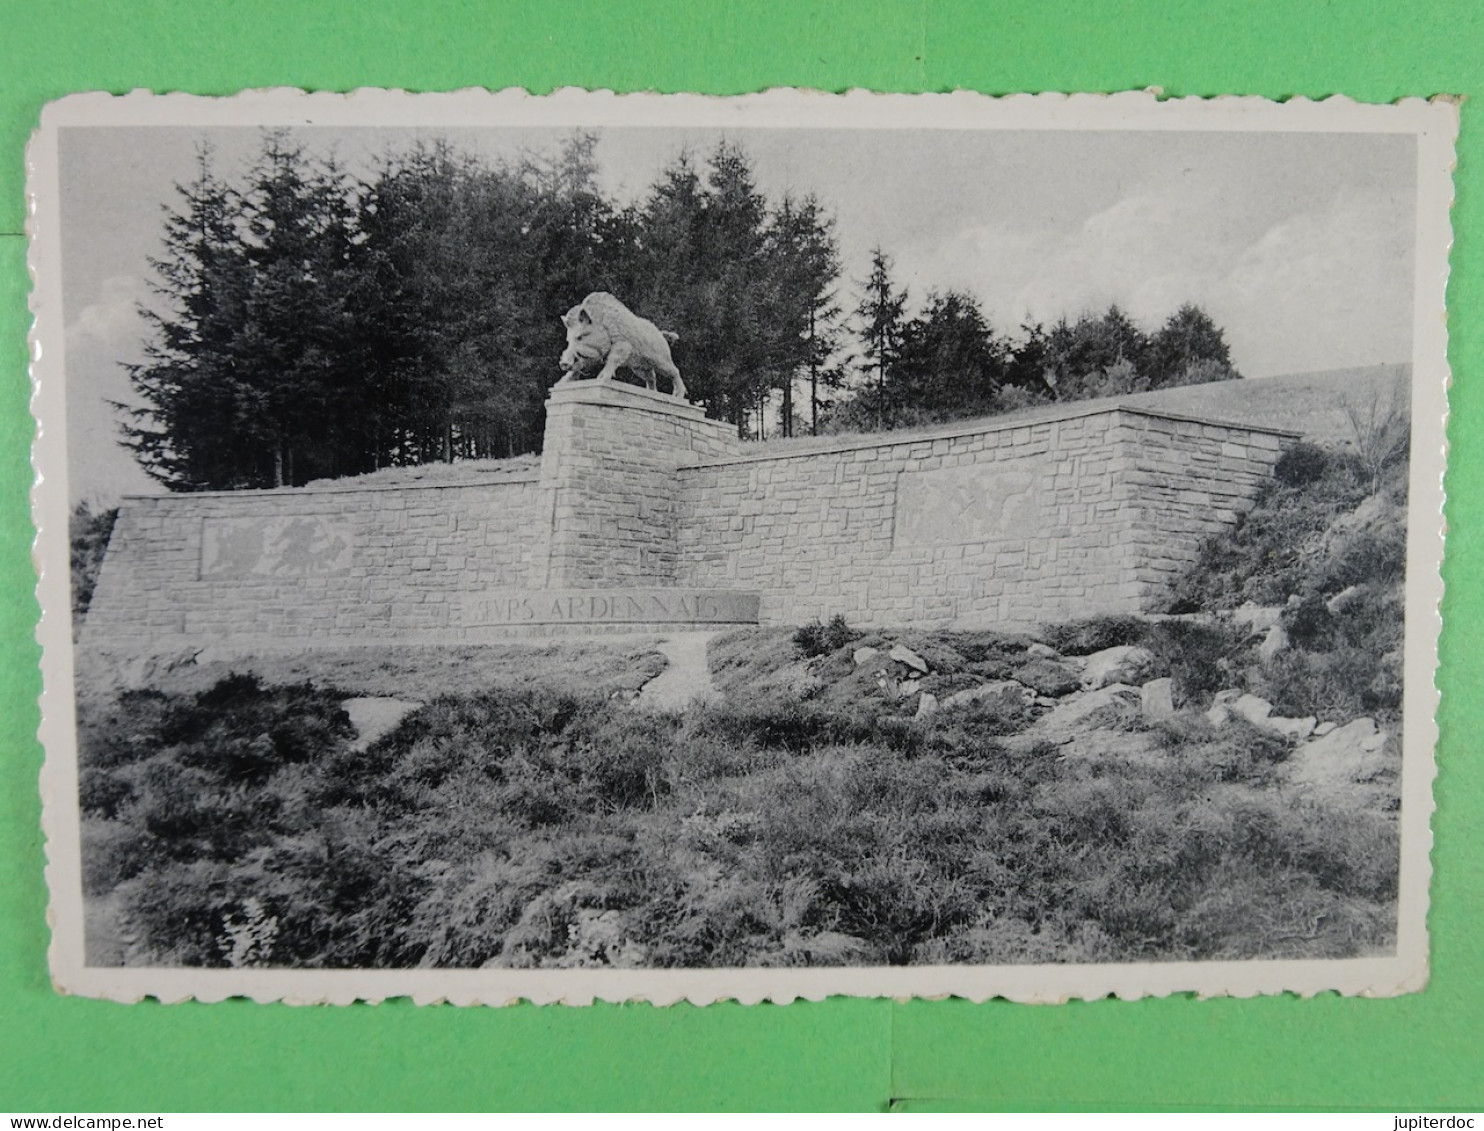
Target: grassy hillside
{"type": "Point", "coordinates": [523, 828]}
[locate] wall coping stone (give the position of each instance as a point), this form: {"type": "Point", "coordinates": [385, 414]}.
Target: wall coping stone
{"type": "Point", "coordinates": [981, 426]}
{"type": "Point", "coordinates": [531, 476]}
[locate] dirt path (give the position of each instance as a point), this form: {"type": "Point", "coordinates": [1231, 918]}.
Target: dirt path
{"type": "Point", "coordinates": [686, 678]}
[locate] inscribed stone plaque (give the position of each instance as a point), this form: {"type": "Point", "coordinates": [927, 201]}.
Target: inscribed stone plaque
{"type": "Point", "coordinates": [958, 505]}
{"type": "Point", "coordinates": [293, 546]}
{"type": "Point", "coordinates": [612, 606]}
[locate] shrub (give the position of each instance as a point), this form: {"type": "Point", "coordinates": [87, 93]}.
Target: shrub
{"type": "Point", "coordinates": [1340, 685]}
{"type": "Point", "coordinates": [1013, 398]}
{"type": "Point", "coordinates": [1302, 464]}
{"type": "Point", "coordinates": [1083, 637]}
{"type": "Point", "coordinates": [1236, 751]}
{"type": "Point", "coordinates": [816, 639]}
{"type": "Point", "coordinates": [1361, 557]}
{"type": "Point", "coordinates": [1381, 428]}
{"type": "Point", "coordinates": [89, 531]}
{"type": "Point", "coordinates": [1200, 659]}
{"type": "Point", "coordinates": [1309, 624]}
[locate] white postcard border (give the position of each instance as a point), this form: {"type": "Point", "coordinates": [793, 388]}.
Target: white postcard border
{"type": "Point", "coordinates": [1434, 123]}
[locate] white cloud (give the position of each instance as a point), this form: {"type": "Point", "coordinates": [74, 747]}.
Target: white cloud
{"type": "Point", "coordinates": [103, 337]}
{"type": "Point", "coordinates": [1324, 288]}
{"type": "Point", "coordinates": [112, 320]}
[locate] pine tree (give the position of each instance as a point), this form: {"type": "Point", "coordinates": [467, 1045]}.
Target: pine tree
{"type": "Point", "coordinates": [950, 363]}
{"type": "Point", "coordinates": [804, 259]}
{"type": "Point", "coordinates": [881, 313]}
{"type": "Point", "coordinates": [195, 428]}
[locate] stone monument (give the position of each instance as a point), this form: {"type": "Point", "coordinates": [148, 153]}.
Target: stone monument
{"type": "Point", "coordinates": [601, 331]}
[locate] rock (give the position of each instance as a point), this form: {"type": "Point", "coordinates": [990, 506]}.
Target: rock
{"type": "Point", "coordinates": [1253, 709]}
{"type": "Point", "coordinates": [1338, 602]}
{"type": "Point", "coordinates": [1044, 651]}
{"type": "Point", "coordinates": [1157, 699]}
{"type": "Point", "coordinates": [1071, 713]}
{"type": "Point", "coordinates": [904, 655]}
{"type": "Point", "coordinates": [927, 705]}
{"type": "Point", "coordinates": [1323, 729]}
{"type": "Point", "coordinates": [1045, 701]}
{"type": "Point", "coordinates": [374, 715]}
{"type": "Point", "coordinates": [1257, 618]}
{"type": "Point", "coordinates": [1274, 642]}
{"type": "Point", "coordinates": [1258, 712]}
{"type": "Point", "coordinates": [861, 655]}
{"type": "Point", "coordinates": [1221, 706]}
{"type": "Point", "coordinates": [1127, 663]}
{"type": "Point", "coordinates": [1047, 677]}
{"type": "Point", "coordinates": [1298, 729]}
{"type": "Point", "coordinates": [1348, 754]}
{"type": "Point", "coordinates": [1005, 694]}
{"type": "Point", "coordinates": [909, 687]}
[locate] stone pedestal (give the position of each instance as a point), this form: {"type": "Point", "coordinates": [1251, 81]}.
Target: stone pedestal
{"type": "Point", "coordinates": [608, 473]}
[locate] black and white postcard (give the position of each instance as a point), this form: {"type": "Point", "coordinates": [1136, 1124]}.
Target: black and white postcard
{"type": "Point", "coordinates": [658, 547]}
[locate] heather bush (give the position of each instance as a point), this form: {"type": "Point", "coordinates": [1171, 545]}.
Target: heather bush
{"type": "Point", "coordinates": [1093, 634]}
{"type": "Point", "coordinates": [1199, 659]}
{"type": "Point", "coordinates": [544, 828]}
{"type": "Point", "coordinates": [816, 639]}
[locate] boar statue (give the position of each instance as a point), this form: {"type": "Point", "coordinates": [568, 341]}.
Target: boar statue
{"type": "Point", "coordinates": [601, 331]}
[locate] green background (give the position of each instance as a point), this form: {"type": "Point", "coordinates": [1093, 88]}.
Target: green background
{"type": "Point", "coordinates": [1415, 1052]}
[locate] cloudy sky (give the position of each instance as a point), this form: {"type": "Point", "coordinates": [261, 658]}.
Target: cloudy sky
{"type": "Point", "coordinates": [1299, 245]}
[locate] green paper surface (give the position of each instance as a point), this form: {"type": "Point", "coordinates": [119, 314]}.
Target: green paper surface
{"type": "Point", "coordinates": [1418, 1052]}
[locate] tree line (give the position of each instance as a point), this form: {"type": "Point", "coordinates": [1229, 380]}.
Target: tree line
{"type": "Point", "coordinates": [310, 322]}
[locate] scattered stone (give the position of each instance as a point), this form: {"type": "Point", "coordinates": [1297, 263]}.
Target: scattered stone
{"type": "Point", "coordinates": [1297, 729]}
{"type": "Point", "coordinates": [1044, 651]}
{"type": "Point", "coordinates": [861, 655]}
{"type": "Point", "coordinates": [1348, 754]}
{"type": "Point", "coordinates": [904, 655]}
{"type": "Point", "coordinates": [1072, 712]}
{"type": "Point", "coordinates": [1047, 677]}
{"type": "Point", "coordinates": [1045, 701]}
{"type": "Point", "coordinates": [909, 687]}
{"type": "Point", "coordinates": [1253, 709]}
{"type": "Point", "coordinates": [1221, 706]}
{"type": "Point", "coordinates": [1127, 663]}
{"type": "Point", "coordinates": [374, 715]}
{"type": "Point", "coordinates": [927, 705]}
{"type": "Point", "coordinates": [1274, 642]}
{"type": "Point", "coordinates": [1338, 602]}
{"type": "Point", "coordinates": [1258, 712]}
{"type": "Point", "coordinates": [1006, 694]}
{"type": "Point", "coordinates": [1323, 729]}
{"type": "Point", "coordinates": [1257, 618]}
{"type": "Point", "coordinates": [1157, 699]}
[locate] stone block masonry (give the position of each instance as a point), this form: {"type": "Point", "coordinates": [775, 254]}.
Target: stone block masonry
{"type": "Point", "coordinates": [309, 566]}
{"type": "Point", "coordinates": [608, 465]}
{"type": "Point", "coordinates": [1013, 524]}
{"type": "Point", "coordinates": [646, 516]}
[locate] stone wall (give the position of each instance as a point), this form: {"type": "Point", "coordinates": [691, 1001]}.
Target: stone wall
{"type": "Point", "coordinates": [1092, 511]}
{"type": "Point", "coordinates": [311, 566]}
{"type": "Point", "coordinates": [645, 515]}
{"type": "Point", "coordinates": [609, 461]}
